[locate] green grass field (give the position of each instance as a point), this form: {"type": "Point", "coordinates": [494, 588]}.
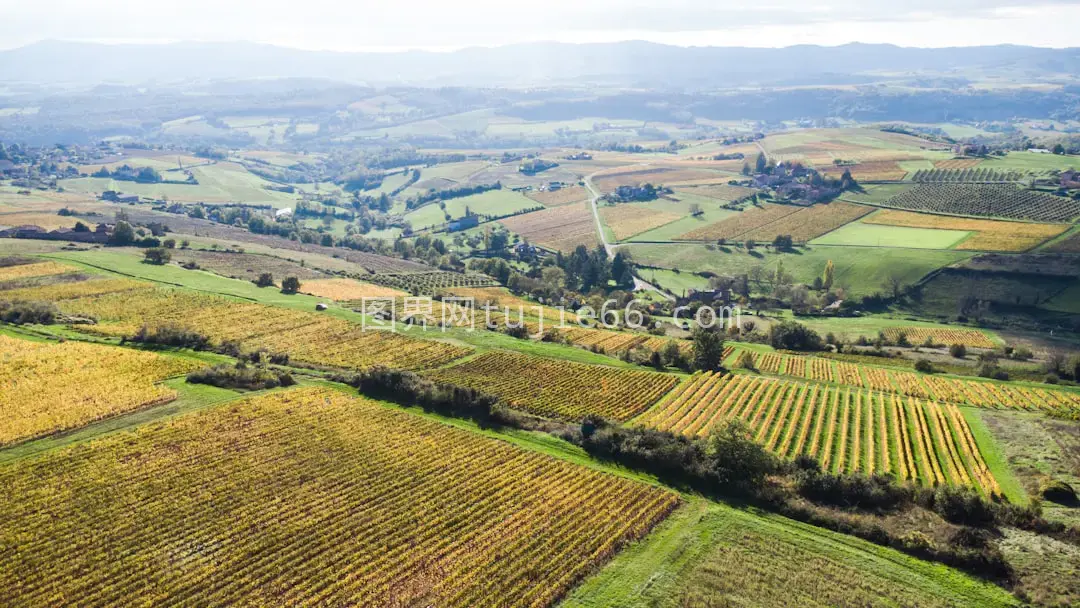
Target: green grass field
{"type": "Point", "coordinates": [873, 235]}
{"type": "Point", "coordinates": [861, 271]}
{"type": "Point", "coordinates": [875, 193]}
{"type": "Point", "coordinates": [669, 232]}
{"type": "Point", "coordinates": [1030, 161]}
{"type": "Point", "coordinates": [677, 283]}
{"type": "Point", "coordinates": [493, 202]}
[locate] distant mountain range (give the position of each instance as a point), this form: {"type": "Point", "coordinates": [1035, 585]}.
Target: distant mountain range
{"type": "Point", "coordinates": [629, 64]}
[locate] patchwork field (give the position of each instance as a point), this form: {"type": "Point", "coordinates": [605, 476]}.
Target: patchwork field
{"type": "Point", "coordinates": [560, 228]}
{"type": "Point", "coordinates": [848, 431]}
{"type": "Point", "coordinates": [608, 181]}
{"type": "Point", "coordinates": [628, 219]}
{"type": "Point", "coordinates": [989, 235]}
{"type": "Point", "coordinates": [559, 388]}
{"type": "Point", "coordinates": [48, 387]}
{"type": "Point", "coordinates": [404, 510]}
{"type": "Point", "coordinates": [888, 170]}
{"type": "Point", "coordinates": [723, 192]}
{"type": "Point", "coordinates": [494, 203]}
{"type": "Point", "coordinates": [808, 223]}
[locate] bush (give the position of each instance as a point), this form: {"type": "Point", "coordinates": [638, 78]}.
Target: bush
{"type": "Point", "coordinates": [407, 388]}
{"type": "Point", "coordinates": [23, 312]}
{"type": "Point", "coordinates": [790, 335]}
{"type": "Point", "coordinates": [171, 335]}
{"type": "Point", "coordinates": [241, 376]}
{"type": "Point", "coordinates": [958, 350]}
{"type": "Point", "coordinates": [158, 257]}
{"type": "Point", "coordinates": [746, 360]}
{"type": "Point", "coordinates": [878, 492]}
{"type": "Point", "coordinates": [265, 280]}
{"type": "Point", "coordinates": [290, 285]}
{"type": "Point", "coordinates": [169, 243]}
{"type": "Point", "coordinates": [924, 366]}
{"type": "Point", "coordinates": [520, 332]}
{"type": "Point", "coordinates": [963, 506]}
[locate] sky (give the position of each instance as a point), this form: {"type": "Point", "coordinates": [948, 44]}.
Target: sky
{"type": "Point", "coordinates": [363, 25]}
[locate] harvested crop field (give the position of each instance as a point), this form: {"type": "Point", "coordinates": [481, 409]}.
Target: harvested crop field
{"type": "Point", "coordinates": [751, 219]}
{"type": "Point", "coordinates": [809, 223]}
{"type": "Point", "coordinates": [629, 219]}
{"type": "Point", "coordinates": [874, 171]}
{"type": "Point", "coordinates": [258, 502]}
{"type": "Point", "coordinates": [246, 266]}
{"type": "Point", "coordinates": [560, 197]}
{"type": "Point", "coordinates": [608, 182]}
{"type": "Point", "coordinates": [990, 235]}
{"type": "Point", "coordinates": [723, 192]}
{"type": "Point", "coordinates": [343, 290]}
{"type": "Point", "coordinates": [559, 228]}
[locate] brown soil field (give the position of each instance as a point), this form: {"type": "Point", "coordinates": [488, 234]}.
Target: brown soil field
{"type": "Point", "coordinates": [561, 228]}
{"type": "Point", "coordinates": [562, 196]}
{"type": "Point", "coordinates": [628, 219]}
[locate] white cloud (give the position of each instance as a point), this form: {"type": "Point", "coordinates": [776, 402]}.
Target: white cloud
{"type": "Point", "coordinates": [340, 25]}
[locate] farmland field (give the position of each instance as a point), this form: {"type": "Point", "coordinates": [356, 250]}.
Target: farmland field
{"type": "Point", "coordinates": [751, 219]}
{"type": "Point", "coordinates": [559, 228]}
{"type": "Point", "coordinates": [989, 235]}
{"type": "Point", "coordinates": [492, 202]}
{"type": "Point", "coordinates": [863, 234]}
{"type": "Point", "coordinates": [562, 196]}
{"type": "Point", "coordinates": [943, 293]}
{"type": "Point", "coordinates": [246, 265]}
{"type": "Point", "coordinates": [348, 289]}
{"type": "Point", "coordinates": [558, 388]}
{"type": "Point", "coordinates": [122, 307]}
{"type": "Point", "coordinates": [888, 170]}
{"type": "Point", "coordinates": [1008, 201]}
{"type": "Point", "coordinates": [808, 223]}
{"type": "Point", "coordinates": [402, 509]}
{"type": "Point", "coordinates": [859, 274]}
{"type": "Point", "coordinates": [50, 387]}
{"type": "Point", "coordinates": [847, 430]}
{"type": "Point", "coordinates": [428, 283]}
{"type": "Point", "coordinates": [629, 219]}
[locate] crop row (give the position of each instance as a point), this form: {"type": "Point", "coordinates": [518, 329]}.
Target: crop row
{"type": "Point", "coordinates": [993, 200]}
{"type": "Point", "coordinates": [559, 389]}
{"type": "Point", "coordinates": [428, 283]}
{"type": "Point", "coordinates": [309, 497]}
{"type": "Point", "coordinates": [919, 335]}
{"type": "Point", "coordinates": [50, 387]}
{"type": "Point", "coordinates": [847, 430]}
{"type": "Point", "coordinates": [121, 307]}
{"type": "Point", "coordinates": [976, 175]}
{"type": "Point", "coordinates": [924, 386]}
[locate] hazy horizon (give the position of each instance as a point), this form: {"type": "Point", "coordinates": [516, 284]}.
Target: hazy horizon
{"type": "Point", "coordinates": [434, 26]}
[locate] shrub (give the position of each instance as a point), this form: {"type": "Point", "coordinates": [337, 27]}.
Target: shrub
{"type": "Point", "coordinates": [924, 366]}
{"type": "Point", "coordinates": [265, 280]}
{"type": "Point", "coordinates": [241, 376]}
{"type": "Point", "coordinates": [157, 256]}
{"type": "Point", "coordinates": [24, 312]}
{"type": "Point", "coordinates": [171, 335]}
{"type": "Point", "coordinates": [746, 360]}
{"type": "Point", "coordinates": [958, 350]}
{"type": "Point", "coordinates": [878, 492]}
{"type": "Point", "coordinates": [517, 331]}
{"type": "Point", "coordinates": [407, 388]}
{"type": "Point", "coordinates": [169, 243]}
{"type": "Point", "coordinates": [290, 285]}
{"type": "Point", "coordinates": [790, 335]}
{"type": "Point", "coordinates": [962, 506]}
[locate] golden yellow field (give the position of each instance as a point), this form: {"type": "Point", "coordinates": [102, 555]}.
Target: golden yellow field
{"type": "Point", "coordinates": [121, 307]}
{"type": "Point", "coordinates": [560, 197]}
{"type": "Point", "coordinates": [309, 497]}
{"type": "Point", "coordinates": [560, 389]}
{"type": "Point", "coordinates": [500, 298]}
{"type": "Point", "coordinates": [341, 290]}
{"type": "Point", "coordinates": [990, 235]}
{"type": "Point", "coordinates": [49, 221]}
{"type": "Point", "coordinates": [732, 227]}
{"type": "Point", "coordinates": [918, 335]}
{"type": "Point", "coordinates": [847, 430]}
{"type": "Point", "coordinates": [50, 387]}
{"type": "Point", "coordinates": [628, 219]}
{"type": "Point", "coordinates": [958, 163]}
{"type": "Point", "coordinates": [38, 269]}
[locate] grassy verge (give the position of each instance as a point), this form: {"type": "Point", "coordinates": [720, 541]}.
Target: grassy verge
{"type": "Point", "coordinates": [994, 457]}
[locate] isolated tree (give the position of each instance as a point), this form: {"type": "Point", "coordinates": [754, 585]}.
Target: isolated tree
{"type": "Point", "coordinates": [746, 168]}
{"type": "Point", "coordinates": [1059, 149]}
{"type": "Point", "coordinates": [760, 163]}
{"type": "Point", "coordinates": [81, 227]}
{"type": "Point", "coordinates": [708, 348]}
{"type": "Point", "coordinates": [265, 280]}
{"type": "Point", "coordinates": [290, 285]}
{"type": "Point", "coordinates": [169, 243]}
{"type": "Point", "coordinates": [157, 256]}
{"type": "Point", "coordinates": [828, 277]}
{"type": "Point", "coordinates": [893, 284]}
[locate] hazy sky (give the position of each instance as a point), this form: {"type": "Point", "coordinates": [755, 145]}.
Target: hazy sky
{"type": "Point", "coordinates": [449, 24]}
